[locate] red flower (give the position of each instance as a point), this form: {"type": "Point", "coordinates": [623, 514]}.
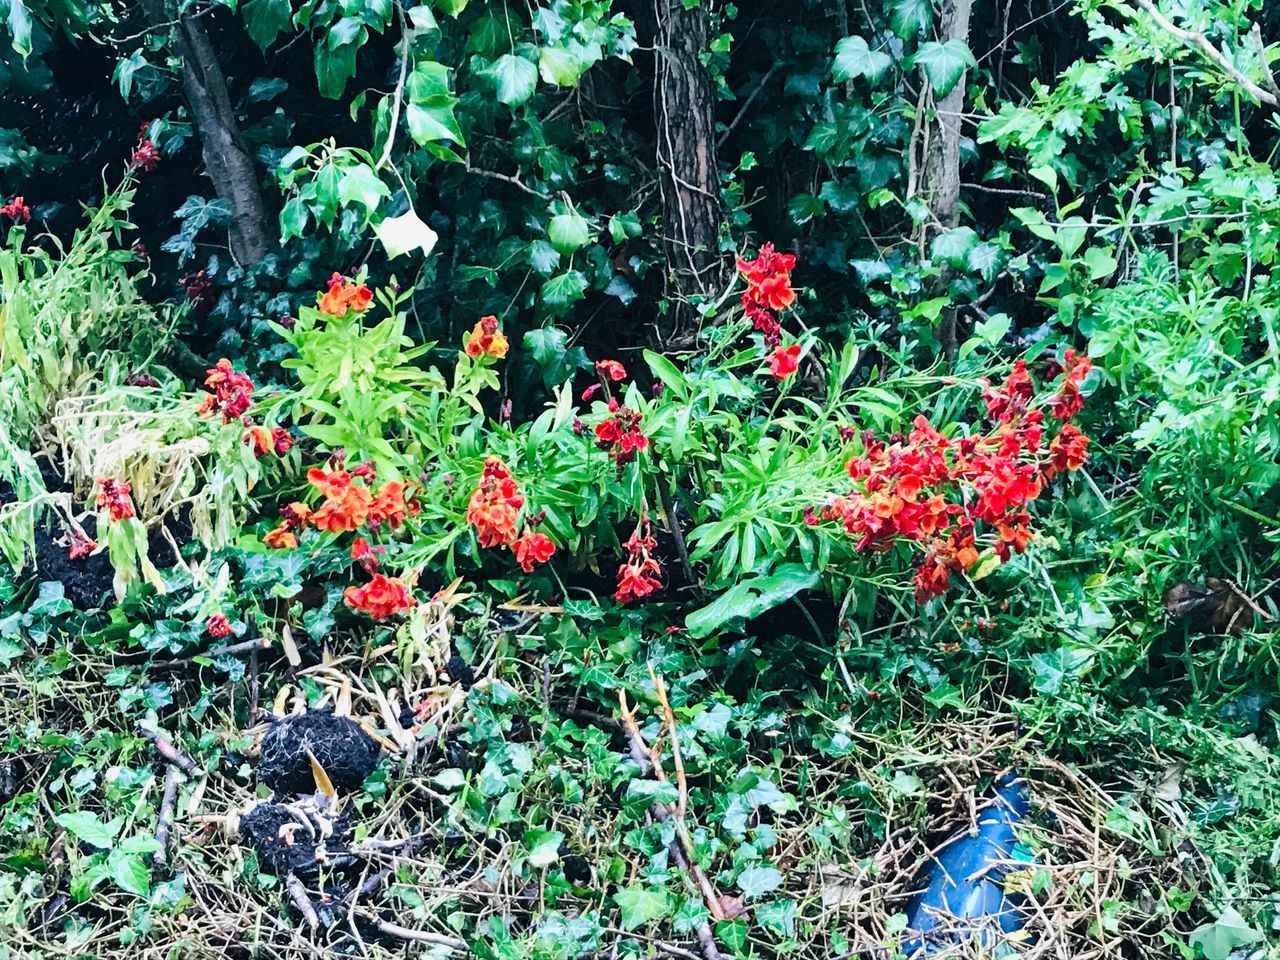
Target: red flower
{"type": "Point", "coordinates": [330, 483]}
{"type": "Point", "coordinates": [145, 156]}
{"type": "Point", "coordinates": [365, 554]}
{"type": "Point", "coordinates": [591, 391]}
{"type": "Point", "coordinates": [113, 496]}
{"type": "Point", "coordinates": [16, 210]}
{"type": "Point", "coordinates": [620, 434]}
{"type": "Point", "coordinates": [1011, 399]}
{"type": "Point", "coordinates": [532, 549]}
{"type": "Point", "coordinates": [495, 505]}
{"type": "Point", "coordinates": [140, 379]}
{"type": "Point", "coordinates": [638, 576]}
{"type": "Point", "coordinates": [295, 516]}
{"type": "Point", "coordinates": [231, 393]}
{"type": "Point", "coordinates": [785, 361]}
{"type": "Point", "coordinates": [381, 597]}
{"type": "Point", "coordinates": [1069, 400]}
{"type": "Point", "coordinates": [260, 438]}
{"type": "Point", "coordinates": [768, 290]}
{"type": "Point", "coordinates": [218, 626]}
{"type": "Point", "coordinates": [281, 441]}
{"type": "Point", "coordinates": [611, 369]}
{"type": "Point", "coordinates": [486, 340]}
{"type": "Point", "coordinates": [344, 295]}
{"type": "Point", "coordinates": [1068, 451]}
{"type": "Point", "coordinates": [81, 546]}
{"type": "Point", "coordinates": [343, 514]}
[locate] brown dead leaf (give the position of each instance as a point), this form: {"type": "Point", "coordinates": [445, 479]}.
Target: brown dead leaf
{"type": "Point", "coordinates": [1215, 606]}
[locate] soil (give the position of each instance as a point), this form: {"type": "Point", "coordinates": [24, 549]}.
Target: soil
{"type": "Point", "coordinates": [86, 581]}
{"type": "Point", "coordinates": [287, 841]}
{"type": "Point", "coordinates": [339, 744]}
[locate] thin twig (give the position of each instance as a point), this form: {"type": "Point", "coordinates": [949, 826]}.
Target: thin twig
{"type": "Point", "coordinates": [298, 894]}
{"type": "Point", "coordinates": [256, 643]}
{"type": "Point", "coordinates": [163, 821]}
{"type": "Point", "coordinates": [398, 97]}
{"type": "Point", "coordinates": [172, 753]}
{"type": "Point", "coordinates": [421, 936]}
{"type": "Point", "coordinates": [1196, 39]}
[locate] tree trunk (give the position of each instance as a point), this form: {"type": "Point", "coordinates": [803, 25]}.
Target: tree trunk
{"type": "Point", "coordinates": [684, 115]}
{"type": "Point", "coordinates": [942, 156]}
{"type": "Point", "coordinates": [226, 157]}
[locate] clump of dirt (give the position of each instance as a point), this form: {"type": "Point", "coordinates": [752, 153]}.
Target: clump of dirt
{"type": "Point", "coordinates": [290, 840]}
{"type": "Point", "coordinates": [460, 672]}
{"type": "Point", "coordinates": [339, 744]}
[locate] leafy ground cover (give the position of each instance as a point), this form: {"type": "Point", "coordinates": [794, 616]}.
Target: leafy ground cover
{"type": "Point", "coordinates": [412, 557]}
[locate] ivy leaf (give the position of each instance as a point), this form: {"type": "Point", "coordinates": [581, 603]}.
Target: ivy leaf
{"type": "Point", "coordinates": [125, 70]}
{"type": "Point", "coordinates": [88, 827]}
{"type": "Point", "coordinates": [1217, 940]}
{"type": "Point", "coordinates": [544, 846]}
{"type": "Point", "coordinates": [755, 881]}
{"type": "Point", "coordinates": [451, 8]}
{"type": "Point", "coordinates": [641, 905]}
{"type": "Point", "coordinates": [563, 291]}
{"type": "Point", "coordinates": [266, 19]}
{"type": "Point", "coordinates": [360, 185]}
{"type": "Point", "coordinates": [129, 873]}
{"type": "Point", "coordinates": [515, 79]}
{"type": "Point", "coordinates": [336, 56]}
{"type": "Point", "coordinates": [909, 17]}
{"type": "Point", "coordinates": [944, 63]}
{"type": "Point", "coordinates": [952, 247]}
{"type": "Point", "coordinates": [855, 59]}
{"type": "Point", "coordinates": [560, 66]}
{"type": "Point", "coordinates": [568, 232]}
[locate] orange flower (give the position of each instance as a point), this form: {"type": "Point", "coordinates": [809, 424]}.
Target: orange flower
{"type": "Point", "coordinates": [485, 339]}
{"type": "Point", "coordinates": [260, 439]}
{"type": "Point", "coordinates": [281, 538]}
{"type": "Point", "coordinates": [330, 483]}
{"type": "Point", "coordinates": [344, 295]}
{"type": "Point", "coordinates": [611, 369]}
{"type": "Point", "coordinates": [113, 496]}
{"type": "Point", "coordinates": [381, 597]}
{"type": "Point", "coordinates": [495, 505]}
{"type": "Point", "coordinates": [343, 514]}
{"type": "Point", "coordinates": [532, 549]}
{"type": "Point", "coordinates": [391, 504]}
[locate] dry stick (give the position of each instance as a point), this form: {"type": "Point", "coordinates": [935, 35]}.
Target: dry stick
{"type": "Point", "coordinates": [421, 936]}
{"type": "Point", "coordinates": [682, 849]}
{"type": "Point", "coordinates": [171, 753]}
{"type": "Point", "coordinates": [1197, 39]}
{"type": "Point", "coordinates": [682, 549]}
{"type": "Point", "coordinates": [166, 815]}
{"type": "Point", "coordinates": [298, 894]}
{"type": "Point", "coordinates": [257, 643]}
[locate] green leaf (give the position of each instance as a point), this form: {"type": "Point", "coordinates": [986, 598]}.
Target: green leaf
{"type": "Point", "coordinates": [568, 232]}
{"type": "Point", "coordinates": [88, 827]}
{"type": "Point", "coordinates": [952, 247]}
{"type": "Point", "coordinates": [909, 17]}
{"type": "Point", "coordinates": [515, 79]}
{"type": "Point", "coordinates": [641, 905]}
{"type": "Point", "coordinates": [451, 8]}
{"type": "Point", "coordinates": [855, 59]}
{"type": "Point", "coordinates": [266, 19]}
{"type": "Point", "coordinates": [432, 123]}
{"type": "Point", "coordinates": [750, 598]}
{"type": "Point", "coordinates": [544, 846]}
{"type": "Point", "coordinates": [1217, 940]}
{"type": "Point", "coordinates": [560, 67]}
{"type": "Point", "coordinates": [19, 19]}
{"type": "Point", "coordinates": [944, 63]}
{"type": "Point", "coordinates": [336, 57]}
{"type": "Point", "coordinates": [361, 185]}
{"type": "Point", "coordinates": [755, 881]}
{"type": "Point", "coordinates": [129, 873]}
{"type": "Point", "coordinates": [563, 291]}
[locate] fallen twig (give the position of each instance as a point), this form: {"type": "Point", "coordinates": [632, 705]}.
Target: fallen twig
{"type": "Point", "coordinates": [298, 894]}
{"type": "Point", "coordinates": [172, 753]}
{"type": "Point", "coordinates": [421, 936]}
{"type": "Point", "coordinates": [165, 817]}
{"type": "Point", "coordinates": [255, 644]}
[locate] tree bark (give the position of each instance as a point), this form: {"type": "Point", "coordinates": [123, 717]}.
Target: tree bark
{"type": "Point", "coordinates": [688, 171]}
{"type": "Point", "coordinates": [942, 155]}
{"type": "Point", "coordinates": [226, 157]}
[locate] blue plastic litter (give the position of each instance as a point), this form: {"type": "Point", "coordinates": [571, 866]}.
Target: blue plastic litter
{"type": "Point", "coordinates": [965, 897]}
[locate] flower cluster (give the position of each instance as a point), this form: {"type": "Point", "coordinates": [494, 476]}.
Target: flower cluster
{"type": "Point", "coordinates": [931, 490]}
{"type": "Point", "coordinates": [294, 517]}
{"type": "Point", "coordinates": [381, 597]}
{"type": "Point", "coordinates": [199, 290]}
{"type": "Point", "coordinates": [486, 340]}
{"type": "Point", "coordinates": [16, 210]}
{"type": "Point", "coordinates": [343, 296]}
{"type": "Point", "coordinates": [768, 290]}
{"type": "Point", "coordinates": [620, 433]}
{"type": "Point", "coordinates": [639, 575]}
{"type": "Point", "coordinates": [231, 392]}
{"type": "Point", "coordinates": [80, 546]}
{"type": "Point", "coordinates": [349, 505]}
{"type": "Point", "coordinates": [494, 507]}
{"type": "Point", "coordinates": [145, 155]}
{"type": "Point", "coordinates": [611, 370]}
{"type": "Point", "coordinates": [494, 510]}
{"type": "Point", "coordinates": [113, 496]}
